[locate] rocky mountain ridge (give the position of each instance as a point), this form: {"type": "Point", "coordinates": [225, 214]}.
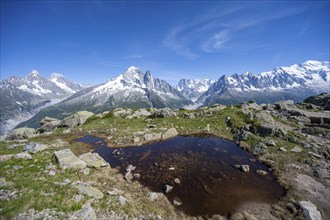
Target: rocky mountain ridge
{"type": "Point", "coordinates": [131, 89]}
{"type": "Point", "coordinates": [135, 89]}
{"type": "Point", "coordinates": [193, 88]}
{"type": "Point", "coordinates": [296, 82]}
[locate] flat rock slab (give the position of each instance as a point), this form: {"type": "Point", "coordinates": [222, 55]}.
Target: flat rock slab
{"type": "Point", "coordinates": [85, 188]}
{"type": "Point", "coordinates": [67, 160]}
{"type": "Point", "coordinates": [94, 160]}
{"type": "Point", "coordinates": [315, 192]}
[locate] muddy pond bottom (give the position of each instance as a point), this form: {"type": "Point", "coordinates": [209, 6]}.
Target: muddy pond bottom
{"type": "Point", "coordinates": [201, 170]}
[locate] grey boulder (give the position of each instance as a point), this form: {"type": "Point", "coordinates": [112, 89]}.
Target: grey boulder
{"type": "Point", "coordinates": [78, 118]}
{"type": "Point", "coordinates": [21, 133]}
{"type": "Point", "coordinates": [172, 132]}
{"type": "Point", "coordinates": [310, 211]}
{"type": "Point", "coordinates": [86, 189]}
{"type": "Point", "coordinates": [94, 160]}
{"type": "Point", "coordinates": [67, 160]}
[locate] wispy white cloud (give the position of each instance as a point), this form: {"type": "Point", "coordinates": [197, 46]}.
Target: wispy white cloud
{"type": "Point", "coordinates": [181, 37]}
{"type": "Point", "coordinates": [216, 42]}
{"type": "Point", "coordinates": [220, 28]}
{"type": "Point", "coordinates": [176, 45]}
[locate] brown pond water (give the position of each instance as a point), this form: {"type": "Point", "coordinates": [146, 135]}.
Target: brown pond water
{"type": "Point", "coordinates": [209, 182]}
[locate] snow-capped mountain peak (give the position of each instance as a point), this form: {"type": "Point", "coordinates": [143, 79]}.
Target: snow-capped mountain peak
{"type": "Point", "coordinates": [133, 75]}
{"type": "Point", "coordinates": [34, 74]}
{"type": "Point", "coordinates": [132, 89]}
{"type": "Point", "coordinates": [24, 96]}
{"type": "Point", "coordinates": [66, 85]}
{"type": "Point", "coordinates": [309, 78]}
{"type": "Point", "coordinates": [56, 75]}
{"type": "Point", "coordinates": [133, 69]}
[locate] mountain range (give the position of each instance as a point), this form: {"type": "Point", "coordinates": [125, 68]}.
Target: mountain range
{"type": "Point", "coordinates": [131, 89]}
{"type": "Point", "coordinates": [295, 82]}
{"type": "Point", "coordinates": [135, 89]}
{"type": "Point", "coordinates": [23, 97]}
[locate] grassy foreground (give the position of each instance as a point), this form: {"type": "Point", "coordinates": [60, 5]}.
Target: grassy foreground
{"type": "Point", "coordinates": [32, 186]}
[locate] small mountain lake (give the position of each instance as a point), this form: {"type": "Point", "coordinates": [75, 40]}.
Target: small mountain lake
{"type": "Point", "coordinates": [205, 167]}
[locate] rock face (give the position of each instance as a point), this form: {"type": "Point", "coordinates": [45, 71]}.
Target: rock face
{"type": "Point", "coordinates": [322, 100]}
{"type": "Point", "coordinates": [315, 191]}
{"type": "Point", "coordinates": [21, 133]}
{"type": "Point", "coordinates": [310, 211]}
{"type": "Point", "coordinates": [76, 119]}
{"type": "Point", "coordinates": [307, 117]}
{"type": "Point", "coordinates": [94, 160]}
{"type": "Point", "coordinates": [87, 189]}
{"type": "Point", "coordinates": [67, 160]}
{"type": "Point", "coordinates": [172, 132]}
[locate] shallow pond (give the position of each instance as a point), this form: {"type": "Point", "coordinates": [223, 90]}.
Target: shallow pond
{"type": "Point", "coordinates": [209, 182]}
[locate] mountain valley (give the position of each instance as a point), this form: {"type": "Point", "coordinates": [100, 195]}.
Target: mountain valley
{"type": "Point", "coordinates": [22, 98]}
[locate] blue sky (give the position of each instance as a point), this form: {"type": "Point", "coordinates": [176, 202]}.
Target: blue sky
{"type": "Point", "coordinates": [93, 41]}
